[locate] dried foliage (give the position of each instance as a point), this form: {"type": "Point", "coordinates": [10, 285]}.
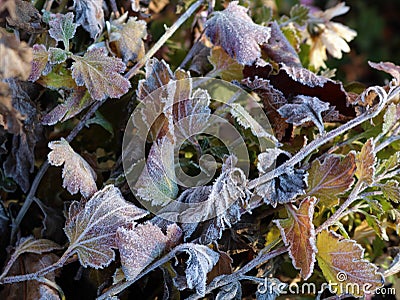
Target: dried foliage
{"type": "Point", "coordinates": [228, 144]}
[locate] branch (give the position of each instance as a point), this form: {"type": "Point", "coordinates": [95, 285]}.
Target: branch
{"type": "Point", "coordinates": [168, 33]}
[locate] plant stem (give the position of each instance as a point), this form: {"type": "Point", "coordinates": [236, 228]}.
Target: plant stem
{"type": "Point", "coordinates": [354, 195]}
{"type": "Point", "coordinates": [322, 139]}
{"type": "Point", "coordinates": [31, 195]}
{"type": "Point", "coordinates": [168, 33]}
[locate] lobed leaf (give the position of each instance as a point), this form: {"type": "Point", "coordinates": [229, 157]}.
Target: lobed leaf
{"type": "Point", "coordinates": [391, 190]}
{"type": "Point", "coordinates": [299, 14]}
{"type": "Point", "coordinates": [62, 28]}
{"type": "Point", "coordinates": [201, 260]}
{"type": "Point", "coordinates": [225, 66]}
{"type": "Point", "coordinates": [40, 62]}
{"type": "Point", "coordinates": [100, 74]}
{"type": "Point", "coordinates": [77, 173]}
{"type": "Point", "coordinates": [128, 39]}
{"type": "Point", "coordinates": [236, 33]}
{"type": "Point", "coordinates": [366, 161]}
{"type": "Point", "coordinates": [57, 55]}
{"type": "Point", "coordinates": [342, 263]}
{"type": "Point", "coordinates": [139, 246]}
{"type": "Point", "coordinates": [304, 109]}
{"type": "Point", "coordinates": [91, 227]}
{"type": "Point", "coordinates": [298, 234]}
{"type": "Point", "coordinates": [331, 178]}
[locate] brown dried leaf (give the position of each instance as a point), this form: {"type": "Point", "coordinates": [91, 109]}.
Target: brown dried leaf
{"type": "Point", "coordinates": [128, 39]}
{"type": "Point", "coordinates": [225, 66]}
{"type": "Point", "coordinates": [26, 17]}
{"type": "Point", "coordinates": [32, 289]}
{"type": "Point", "coordinates": [139, 246]}
{"type": "Point", "coordinates": [89, 14]}
{"type": "Point", "coordinates": [15, 58]}
{"type": "Point", "coordinates": [31, 245]}
{"type": "Point", "coordinates": [387, 67]}
{"type": "Point", "coordinates": [91, 228]}
{"type": "Point", "coordinates": [100, 74]}
{"type": "Point", "coordinates": [331, 178]}
{"type": "Point", "coordinates": [77, 173]}
{"type": "Point", "coordinates": [237, 34]}
{"type": "Point", "coordinates": [366, 161]}
{"type": "Point", "coordinates": [299, 234]}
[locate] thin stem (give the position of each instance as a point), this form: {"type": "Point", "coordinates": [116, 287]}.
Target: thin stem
{"type": "Point", "coordinates": [53, 285]}
{"type": "Point", "coordinates": [387, 142]}
{"type": "Point", "coordinates": [168, 33]}
{"type": "Point", "coordinates": [31, 195]}
{"type": "Point", "coordinates": [324, 138]}
{"type": "Point", "coordinates": [354, 195]}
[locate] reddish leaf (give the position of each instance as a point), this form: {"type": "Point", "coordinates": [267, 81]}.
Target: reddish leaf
{"type": "Point", "coordinates": [342, 263]}
{"type": "Point", "coordinates": [366, 161]}
{"type": "Point", "coordinates": [299, 234]}
{"type": "Point", "coordinates": [331, 178]}
{"type": "Point", "coordinates": [77, 173]}
{"type": "Point", "coordinates": [235, 32]}
{"type": "Point", "coordinates": [91, 228]}
{"type": "Point", "coordinates": [40, 62]}
{"type": "Point", "coordinates": [100, 74]}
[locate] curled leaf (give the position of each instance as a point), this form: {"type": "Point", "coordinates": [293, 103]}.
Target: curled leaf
{"type": "Point", "coordinates": [100, 74]}
{"type": "Point", "coordinates": [237, 34]}
{"type": "Point", "coordinates": [91, 227]}
{"type": "Point", "coordinates": [389, 68]}
{"type": "Point", "coordinates": [304, 109]}
{"type": "Point", "coordinates": [201, 260]}
{"type": "Point", "coordinates": [299, 234]}
{"type": "Point", "coordinates": [342, 263]}
{"type": "Point", "coordinates": [77, 173]}
{"type": "Point", "coordinates": [89, 14]}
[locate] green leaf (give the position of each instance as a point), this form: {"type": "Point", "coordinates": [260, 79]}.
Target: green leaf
{"type": "Point", "coordinates": [100, 74]}
{"type": "Point", "coordinates": [57, 55]}
{"type": "Point", "coordinates": [299, 14]}
{"type": "Point", "coordinates": [225, 66]}
{"type": "Point", "coordinates": [391, 190]}
{"type": "Point", "coordinates": [342, 264]}
{"type": "Point", "coordinates": [100, 120]}
{"type": "Point", "coordinates": [62, 28]}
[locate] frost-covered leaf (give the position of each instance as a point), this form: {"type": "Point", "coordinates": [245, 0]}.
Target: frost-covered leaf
{"type": "Point", "coordinates": [139, 246]}
{"type": "Point", "coordinates": [391, 117]}
{"type": "Point", "coordinates": [40, 62]}
{"type": "Point", "coordinates": [58, 79]}
{"type": "Point", "coordinates": [286, 187]}
{"type": "Point", "coordinates": [157, 183]}
{"type": "Point", "coordinates": [366, 161]}
{"type": "Point", "coordinates": [77, 173]}
{"type": "Point", "coordinates": [305, 109]}
{"type": "Point", "coordinates": [32, 245]}
{"type": "Point", "coordinates": [77, 100]}
{"type": "Point", "coordinates": [232, 291]}
{"type": "Point", "coordinates": [57, 55]}
{"type": "Point", "coordinates": [62, 28]}
{"type": "Point", "coordinates": [279, 48]}
{"type": "Point", "coordinates": [394, 267]}
{"type": "Point", "coordinates": [243, 117]}
{"type": "Point", "coordinates": [387, 67]}
{"type": "Point", "coordinates": [298, 234]}
{"type": "Point", "coordinates": [331, 178]}
{"type": "Point", "coordinates": [225, 66]}
{"type": "Point", "coordinates": [201, 260]}
{"type": "Point", "coordinates": [91, 227]}
{"type": "Point", "coordinates": [128, 39]}
{"type": "Point", "coordinates": [235, 32]}
{"type": "Point", "coordinates": [89, 14]}
{"type": "Point", "coordinates": [15, 58]}
{"type": "Point", "coordinates": [299, 14]}
{"type": "Point", "coordinates": [100, 74]}
{"type": "Point", "coordinates": [391, 190]}
{"type": "Point", "coordinates": [342, 263]}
